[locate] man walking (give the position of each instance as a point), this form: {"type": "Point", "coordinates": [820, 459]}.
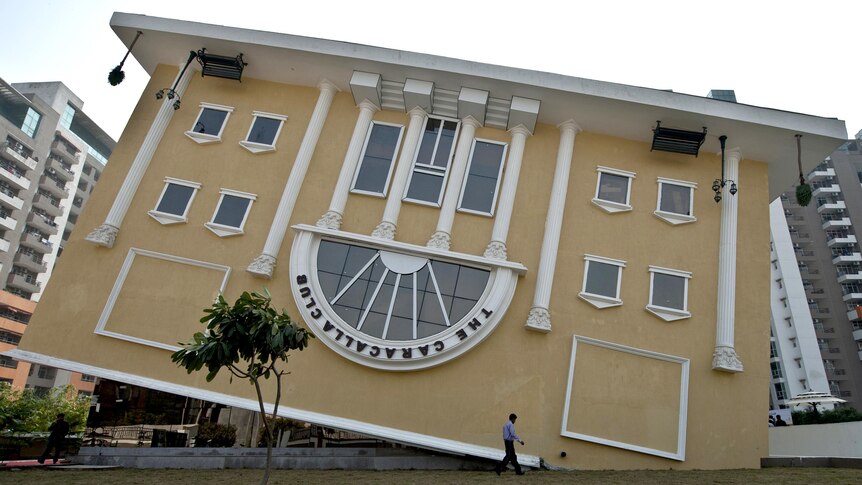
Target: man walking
{"type": "Point", "coordinates": [59, 429]}
{"type": "Point", "coordinates": [509, 439]}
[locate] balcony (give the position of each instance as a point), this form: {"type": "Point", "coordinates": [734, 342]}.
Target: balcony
{"type": "Point", "coordinates": [48, 205]}
{"type": "Point", "coordinates": [42, 223]}
{"type": "Point", "coordinates": [821, 313]}
{"type": "Point", "coordinates": [4, 245]}
{"type": "Point", "coordinates": [21, 157]}
{"type": "Point", "coordinates": [58, 189]}
{"type": "Point", "coordinates": [843, 278]}
{"type": "Point", "coordinates": [16, 180]}
{"type": "Point", "coordinates": [57, 168]}
{"type": "Point", "coordinates": [828, 172]}
{"type": "Point", "coordinates": [26, 283]}
{"type": "Point", "coordinates": [7, 222]}
{"type": "Point", "coordinates": [831, 206]}
{"type": "Point", "coordinates": [804, 255]}
{"type": "Point", "coordinates": [846, 240]}
{"type": "Point", "coordinates": [36, 243]}
{"type": "Point", "coordinates": [33, 263]}
{"type": "Point", "coordinates": [857, 334]}
{"type": "Point", "coordinates": [64, 151]}
{"type": "Point", "coordinates": [852, 297]}
{"type": "Point", "coordinates": [834, 223]}
{"type": "Point", "coordinates": [848, 258]}
{"type": "Point", "coordinates": [827, 189]}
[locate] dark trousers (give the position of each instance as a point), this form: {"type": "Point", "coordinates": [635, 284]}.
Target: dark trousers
{"type": "Point", "coordinates": [57, 446]}
{"type": "Point", "coordinates": [510, 457]}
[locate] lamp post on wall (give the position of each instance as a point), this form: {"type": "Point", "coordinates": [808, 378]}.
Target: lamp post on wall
{"type": "Point", "coordinates": [719, 184]}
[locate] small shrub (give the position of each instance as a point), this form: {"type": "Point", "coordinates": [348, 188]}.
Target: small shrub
{"type": "Point", "coordinates": [214, 435]}
{"type": "Point", "coordinates": [839, 415]}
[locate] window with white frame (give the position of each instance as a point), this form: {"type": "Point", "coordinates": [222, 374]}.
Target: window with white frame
{"type": "Point", "coordinates": [210, 123]}
{"type": "Point", "coordinates": [668, 293]}
{"type": "Point", "coordinates": [377, 159]}
{"type": "Point", "coordinates": [613, 189]}
{"type": "Point", "coordinates": [231, 212]}
{"type": "Point", "coordinates": [173, 205]}
{"type": "Point", "coordinates": [482, 181]}
{"type": "Point", "coordinates": [675, 203]}
{"type": "Point", "coordinates": [263, 132]}
{"type": "Point", "coordinates": [431, 165]}
{"type": "Point", "coordinates": [602, 280]}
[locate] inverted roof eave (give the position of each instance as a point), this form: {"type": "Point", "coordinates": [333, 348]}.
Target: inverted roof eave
{"type": "Point", "coordinates": [764, 134]}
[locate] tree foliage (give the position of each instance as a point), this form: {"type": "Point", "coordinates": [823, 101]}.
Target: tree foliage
{"type": "Point", "coordinates": [251, 340]}
{"type": "Point", "coordinates": [837, 415]}
{"type": "Point", "coordinates": [25, 411]}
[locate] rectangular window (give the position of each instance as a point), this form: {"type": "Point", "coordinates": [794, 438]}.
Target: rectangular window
{"type": "Point", "coordinates": [675, 201]}
{"type": "Point", "coordinates": [377, 159]}
{"type": "Point", "coordinates": [602, 280]}
{"type": "Point", "coordinates": [173, 205]}
{"type": "Point", "coordinates": [668, 294]}
{"type": "Point", "coordinates": [432, 162]}
{"type": "Point", "coordinates": [31, 122]}
{"type": "Point", "coordinates": [210, 123]}
{"type": "Point", "coordinates": [613, 189]}
{"type": "Point", "coordinates": [263, 132]}
{"type": "Point", "coordinates": [231, 212]}
{"type": "Point", "coordinates": [479, 192]}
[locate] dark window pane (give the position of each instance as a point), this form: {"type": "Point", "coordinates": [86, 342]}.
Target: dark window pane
{"type": "Point", "coordinates": [175, 199]}
{"type": "Point", "coordinates": [232, 211]}
{"type": "Point", "coordinates": [210, 121]}
{"type": "Point", "coordinates": [379, 153]}
{"type": "Point", "coordinates": [482, 177]}
{"type": "Point", "coordinates": [425, 187]}
{"type": "Point", "coordinates": [400, 329]}
{"type": "Point", "coordinates": [668, 291]}
{"type": "Point", "coordinates": [444, 146]}
{"type": "Point", "coordinates": [331, 256]}
{"type": "Point", "coordinates": [264, 130]}
{"type": "Point", "coordinates": [429, 141]}
{"type": "Point", "coordinates": [602, 279]}
{"type": "Point", "coordinates": [471, 282]}
{"type": "Point", "coordinates": [613, 188]}
{"type": "Point", "coordinates": [676, 199]}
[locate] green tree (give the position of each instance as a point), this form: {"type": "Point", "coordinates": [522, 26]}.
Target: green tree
{"type": "Point", "coordinates": [251, 340]}
{"type": "Point", "coordinates": [25, 411]}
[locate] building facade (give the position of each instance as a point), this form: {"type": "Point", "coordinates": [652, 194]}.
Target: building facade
{"type": "Point", "coordinates": [464, 240]}
{"type": "Point", "coordinates": [817, 318]}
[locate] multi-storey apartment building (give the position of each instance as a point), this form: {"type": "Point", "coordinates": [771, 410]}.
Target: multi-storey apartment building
{"type": "Point", "coordinates": [51, 154]}
{"type": "Point", "coordinates": [464, 240]}
{"type": "Point", "coordinates": [817, 283]}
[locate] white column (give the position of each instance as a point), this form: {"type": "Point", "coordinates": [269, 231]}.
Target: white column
{"type": "Point", "coordinates": [107, 233]}
{"type": "Point", "coordinates": [497, 247]}
{"type": "Point", "coordinates": [539, 318]}
{"type": "Point", "coordinates": [332, 218]}
{"type": "Point", "coordinates": [442, 237]}
{"type": "Point", "coordinates": [263, 265]}
{"type": "Point", "coordinates": [724, 358]}
{"type": "Point", "coordinates": [386, 228]}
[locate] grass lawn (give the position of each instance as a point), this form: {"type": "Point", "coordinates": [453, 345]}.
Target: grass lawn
{"type": "Point", "coordinates": [784, 476]}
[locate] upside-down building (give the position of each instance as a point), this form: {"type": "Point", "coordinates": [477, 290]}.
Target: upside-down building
{"type": "Point", "coordinates": [464, 240]}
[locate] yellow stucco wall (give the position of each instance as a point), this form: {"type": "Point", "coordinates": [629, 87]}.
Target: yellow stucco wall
{"type": "Point", "coordinates": [513, 370]}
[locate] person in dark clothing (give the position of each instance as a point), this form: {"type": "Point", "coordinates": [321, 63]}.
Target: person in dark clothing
{"type": "Point", "coordinates": [59, 429]}
{"type": "Point", "coordinates": [509, 439]}
{"type": "Point", "coordinates": [779, 421]}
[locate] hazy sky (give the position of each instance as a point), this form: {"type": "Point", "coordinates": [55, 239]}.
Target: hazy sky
{"type": "Point", "coordinates": [800, 56]}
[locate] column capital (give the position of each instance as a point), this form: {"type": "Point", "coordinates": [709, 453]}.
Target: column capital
{"type": "Point", "coordinates": [366, 104]}
{"type": "Point", "coordinates": [735, 152]}
{"type": "Point", "coordinates": [725, 359]}
{"type": "Point", "coordinates": [469, 120]}
{"type": "Point", "coordinates": [327, 85]}
{"type": "Point", "coordinates": [570, 125]}
{"type": "Point", "coordinates": [262, 266]}
{"type": "Point", "coordinates": [417, 111]}
{"type": "Point", "coordinates": [104, 235]}
{"type": "Point", "coordinates": [520, 130]}
{"type": "Point", "coordinates": [539, 320]}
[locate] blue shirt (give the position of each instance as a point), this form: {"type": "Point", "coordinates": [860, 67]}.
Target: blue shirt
{"type": "Point", "coordinates": [509, 432]}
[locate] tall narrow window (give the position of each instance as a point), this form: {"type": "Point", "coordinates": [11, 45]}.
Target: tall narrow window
{"type": "Point", "coordinates": [231, 212]}
{"type": "Point", "coordinates": [613, 189]}
{"type": "Point", "coordinates": [431, 165]}
{"type": "Point", "coordinates": [173, 205]}
{"type": "Point", "coordinates": [479, 193]}
{"type": "Point", "coordinates": [31, 122]}
{"type": "Point", "coordinates": [376, 161]}
{"type": "Point", "coordinates": [602, 280]}
{"type": "Point", "coordinates": [210, 123]}
{"type": "Point", "coordinates": [263, 132]}
{"type": "Point", "coordinates": [668, 293]}
{"type": "Point", "coordinates": [675, 201]}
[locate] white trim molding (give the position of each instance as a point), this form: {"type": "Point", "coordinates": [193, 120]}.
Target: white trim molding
{"type": "Point", "coordinates": [675, 218]}
{"type": "Point", "coordinates": [496, 248]}
{"type": "Point", "coordinates": [255, 147]}
{"type": "Point", "coordinates": [388, 180]}
{"type": "Point", "coordinates": [204, 138]}
{"type": "Point", "coordinates": [609, 205]}
{"type": "Point", "coordinates": [121, 280]}
{"type": "Point", "coordinates": [383, 432]}
{"type": "Point", "coordinates": [596, 300]}
{"type": "Point", "coordinates": [167, 217]}
{"type": "Point", "coordinates": [666, 313]}
{"type": "Point", "coordinates": [679, 453]}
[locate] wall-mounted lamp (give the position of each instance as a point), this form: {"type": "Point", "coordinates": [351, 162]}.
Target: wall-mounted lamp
{"type": "Point", "coordinates": [719, 184]}
{"type": "Point", "coordinates": [171, 92]}
{"type": "Point", "coordinates": [117, 75]}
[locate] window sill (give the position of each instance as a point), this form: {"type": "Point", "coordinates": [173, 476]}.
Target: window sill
{"type": "Point", "coordinates": [257, 147]}
{"type": "Point", "coordinates": [667, 314]}
{"type": "Point", "coordinates": [223, 231]}
{"type": "Point", "coordinates": [611, 207]}
{"type": "Point", "coordinates": [422, 202]}
{"type": "Point", "coordinates": [674, 218]}
{"type": "Point", "coordinates": [203, 138]}
{"type": "Point", "coordinates": [166, 218]}
{"type": "Point", "coordinates": [368, 193]}
{"type": "Point", "coordinates": [600, 301]}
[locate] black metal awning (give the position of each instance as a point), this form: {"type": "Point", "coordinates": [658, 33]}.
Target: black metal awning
{"type": "Point", "coordinates": [677, 141]}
